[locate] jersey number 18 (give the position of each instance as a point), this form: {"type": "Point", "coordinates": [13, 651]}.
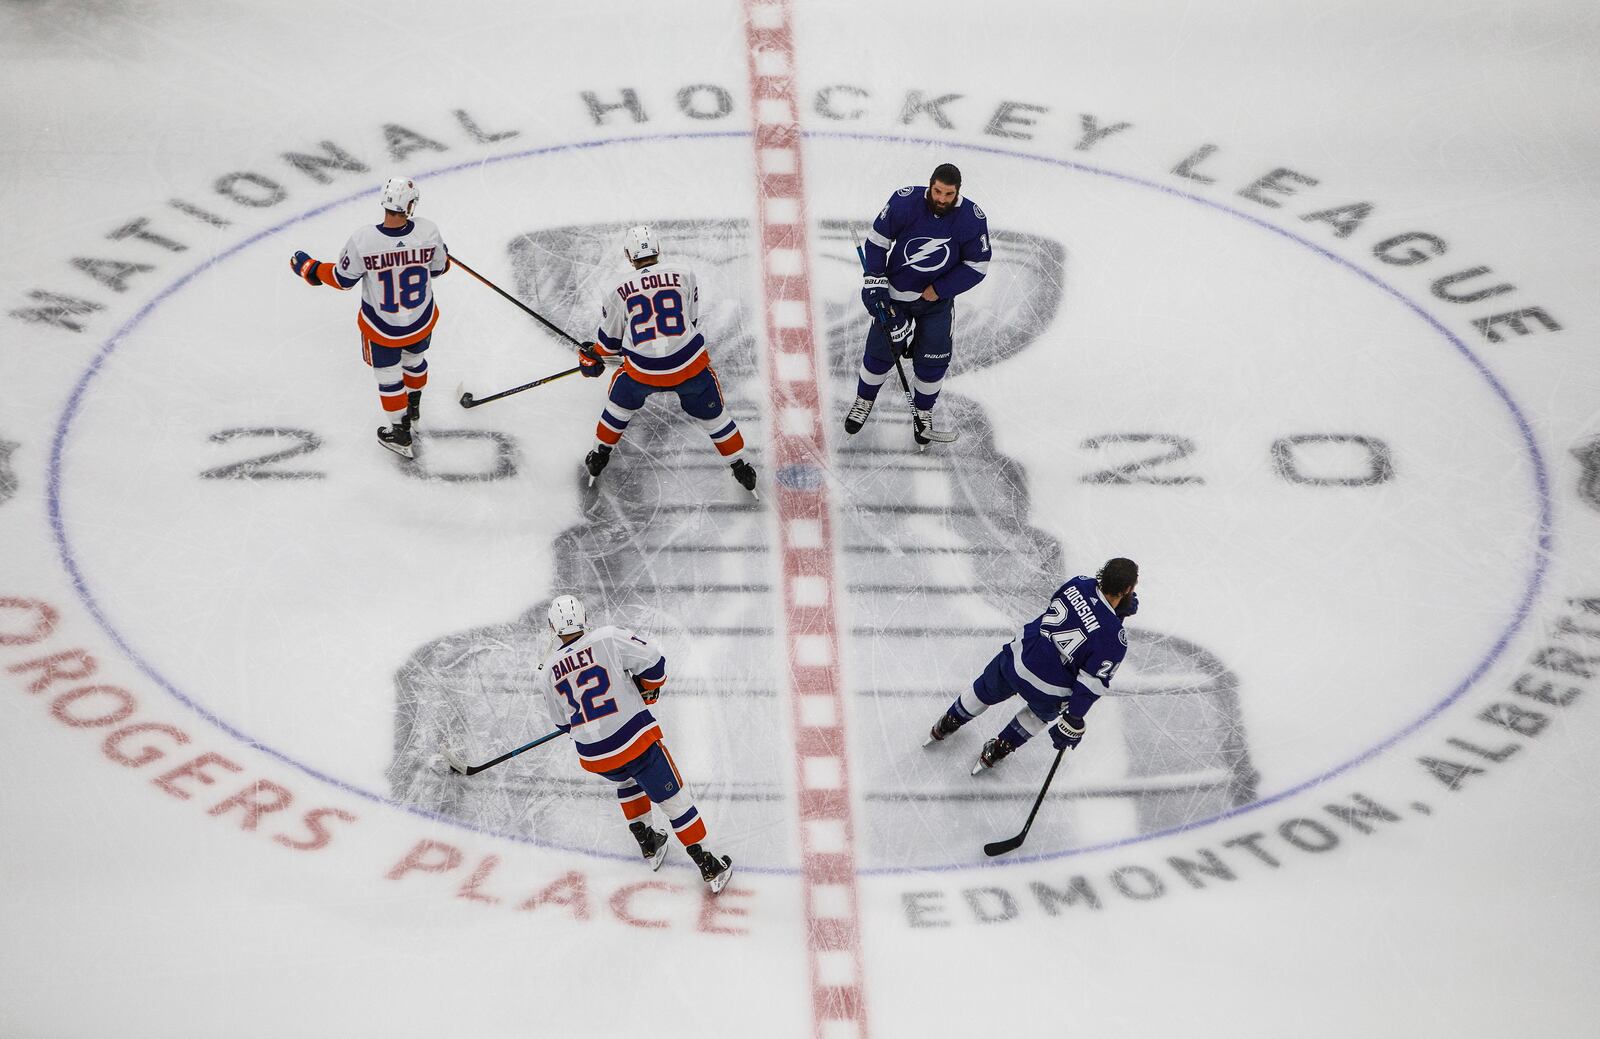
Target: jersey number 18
{"type": "Point", "coordinates": [413, 288]}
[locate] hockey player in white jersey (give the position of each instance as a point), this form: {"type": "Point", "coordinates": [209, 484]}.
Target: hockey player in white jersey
{"type": "Point", "coordinates": [599, 686]}
{"type": "Point", "coordinates": [395, 262]}
{"type": "Point", "coordinates": [651, 320]}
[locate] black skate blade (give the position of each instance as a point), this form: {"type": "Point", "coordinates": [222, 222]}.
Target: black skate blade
{"type": "Point", "coordinates": [720, 881]}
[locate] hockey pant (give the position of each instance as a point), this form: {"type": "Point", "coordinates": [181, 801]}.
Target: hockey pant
{"type": "Point", "coordinates": [930, 353]}
{"type": "Point", "coordinates": [652, 777]}
{"type": "Point", "coordinates": [700, 396]}
{"type": "Point", "coordinates": [399, 369]}
{"type": "Point", "coordinates": [995, 686]}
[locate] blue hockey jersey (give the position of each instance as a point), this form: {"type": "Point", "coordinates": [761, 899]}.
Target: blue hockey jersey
{"type": "Point", "coordinates": [1073, 649]}
{"type": "Point", "coordinates": [917, 248]}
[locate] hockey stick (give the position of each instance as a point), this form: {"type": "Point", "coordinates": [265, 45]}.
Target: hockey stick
{"type": "Point", "coordinates": [469, 401]}
{"type": "Point", "coordinates": [1013, 843]}
{"type": "Point", "coordinates": [471, 770]}
{"type": "Point", "coordinates": [925, 432]}
{"type": "Point", "coordinates": [546, 322]}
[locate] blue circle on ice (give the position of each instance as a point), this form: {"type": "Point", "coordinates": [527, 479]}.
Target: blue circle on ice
{"type": "Point", "coordinates": [807, 477]}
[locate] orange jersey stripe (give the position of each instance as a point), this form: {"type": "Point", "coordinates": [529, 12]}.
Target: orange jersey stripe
{"type": "Point", "coordinates": [325, 271]}
{"type": "Point", "coordinates": [694, 368]}
{"type": "Point", "coordinates": [611, 762]}
{"type": "Point", "coordinates": [382, 340]}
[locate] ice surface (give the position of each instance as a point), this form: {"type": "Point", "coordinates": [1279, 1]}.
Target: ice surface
{"type": "Point", "coordinates": [1344, 784]}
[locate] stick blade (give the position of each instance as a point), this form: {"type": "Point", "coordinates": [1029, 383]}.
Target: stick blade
{"type": "Point", "coordinates": [456, 764]}
{"type": "Point", "coordinates": [1002, 847]}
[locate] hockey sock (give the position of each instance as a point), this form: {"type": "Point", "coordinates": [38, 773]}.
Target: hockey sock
{"type": "Point", "coordinates": [926, 386]}
{"type": "Point", "coordinates": [1015, 734]}
{"type": "Point", "coordinates": [870, 379]}
{"type": "Point", "coordinates": [725, 435]}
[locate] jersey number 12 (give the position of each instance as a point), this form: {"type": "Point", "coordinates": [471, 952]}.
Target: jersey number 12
{"type": "Point", "coordinates": [589, 700]}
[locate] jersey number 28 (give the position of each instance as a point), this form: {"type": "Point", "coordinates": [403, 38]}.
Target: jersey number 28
{"type": "Point", "coordinates": [589, 700]}
{"type": "Point", "coordinates": [663, 307]}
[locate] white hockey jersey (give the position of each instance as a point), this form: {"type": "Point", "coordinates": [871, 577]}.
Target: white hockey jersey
{"type": "Point", "coordinates": [652, 318]}
{"type": "Point", "coordinates": [589, 688]}
{"type": "Point", "coordinates": [396, 266]}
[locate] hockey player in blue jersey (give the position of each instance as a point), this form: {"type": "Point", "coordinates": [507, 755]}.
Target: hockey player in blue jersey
{"type": "Point", "coordinates": [1060, 664]}
{"type": "Point", "coordinates": [927, 246]}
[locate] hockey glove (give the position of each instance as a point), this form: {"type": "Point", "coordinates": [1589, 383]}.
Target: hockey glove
{"type": "Point", "coordinates": [874, 293]}
{"type": "Point", "coordinates": [901, 332]}
{"type": "Point", "coordinates": [590, 362]}
{"type": "Point", "coordinates": [303, 265]}
{"type": "Point", "coordinates": [1129, 605]}
{"type": "Point", "coordinates": [649, 696]}
{"type": "Point", "coordinates": [1067, 732]}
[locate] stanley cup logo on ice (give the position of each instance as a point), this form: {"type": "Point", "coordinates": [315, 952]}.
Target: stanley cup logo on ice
{"type": "Point", "coordinates": [939, 564]}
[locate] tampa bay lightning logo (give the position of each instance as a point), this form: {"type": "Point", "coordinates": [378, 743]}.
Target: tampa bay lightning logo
{"type": "Point", "coordinates": [927, 254]}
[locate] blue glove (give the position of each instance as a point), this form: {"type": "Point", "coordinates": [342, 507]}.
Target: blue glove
{"type": "Point", "coordinates": [874, 293]}
{"type": "Point", "coordinates": [302, 264]}
{"type": "Point", "coordinates": [901, 332]}
{"type": "Point", "coordinates": [1129, 605]}
{"type": "Point", "coordinates": [1067, 732]}
{"type": "Point", "coordinates": [589, 361]}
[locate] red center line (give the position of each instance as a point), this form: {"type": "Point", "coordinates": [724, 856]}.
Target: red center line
{"type": "Point", "coordinates": [794, 369]}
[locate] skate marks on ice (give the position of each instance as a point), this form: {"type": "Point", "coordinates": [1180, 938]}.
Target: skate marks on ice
{"type": "Point", "coordinates": [1587, 453]}
{"type": "Point", "coordinates": [939, 562]}
{"type": "Point", "coordinates": [668, 544]}
{"type": "Point", "coordinates": [8, 473]}
{"type": "Point", "coordinates": [942, 565]}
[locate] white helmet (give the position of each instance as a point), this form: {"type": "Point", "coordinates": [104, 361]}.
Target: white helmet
{"type": "Point", "coordinates": [400, 195]}
{"type": "Point", "coordinates": [639, 243]}
{"type": "Point", "coordinates": [566, 615]}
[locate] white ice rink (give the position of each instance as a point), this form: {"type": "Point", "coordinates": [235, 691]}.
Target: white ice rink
{"type": "Point", "coordinates": [1295, 304]}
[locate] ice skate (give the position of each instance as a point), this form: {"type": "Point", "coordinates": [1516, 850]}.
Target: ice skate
{"type": "Point", "coordinates": [857, 416]}
{"type": "Point", "coordinates": [945, 726]}
{"type": "Point", "coordinates": [653, 844]}
{"type": "Point", "coordinates": [413, 407]}
{"type": "Point", "coordinates": [993, 753]}
{"type": "Point", "coordinates": [595, 461]}
{"type": "Point", "coordinates": [745, 473]}
{"type": "Point", "coordinates": [716, 872]}
{"type": "Point", "coordinates": [397, 438]}
{"type": "Point", "coordinates": [923, 432]}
